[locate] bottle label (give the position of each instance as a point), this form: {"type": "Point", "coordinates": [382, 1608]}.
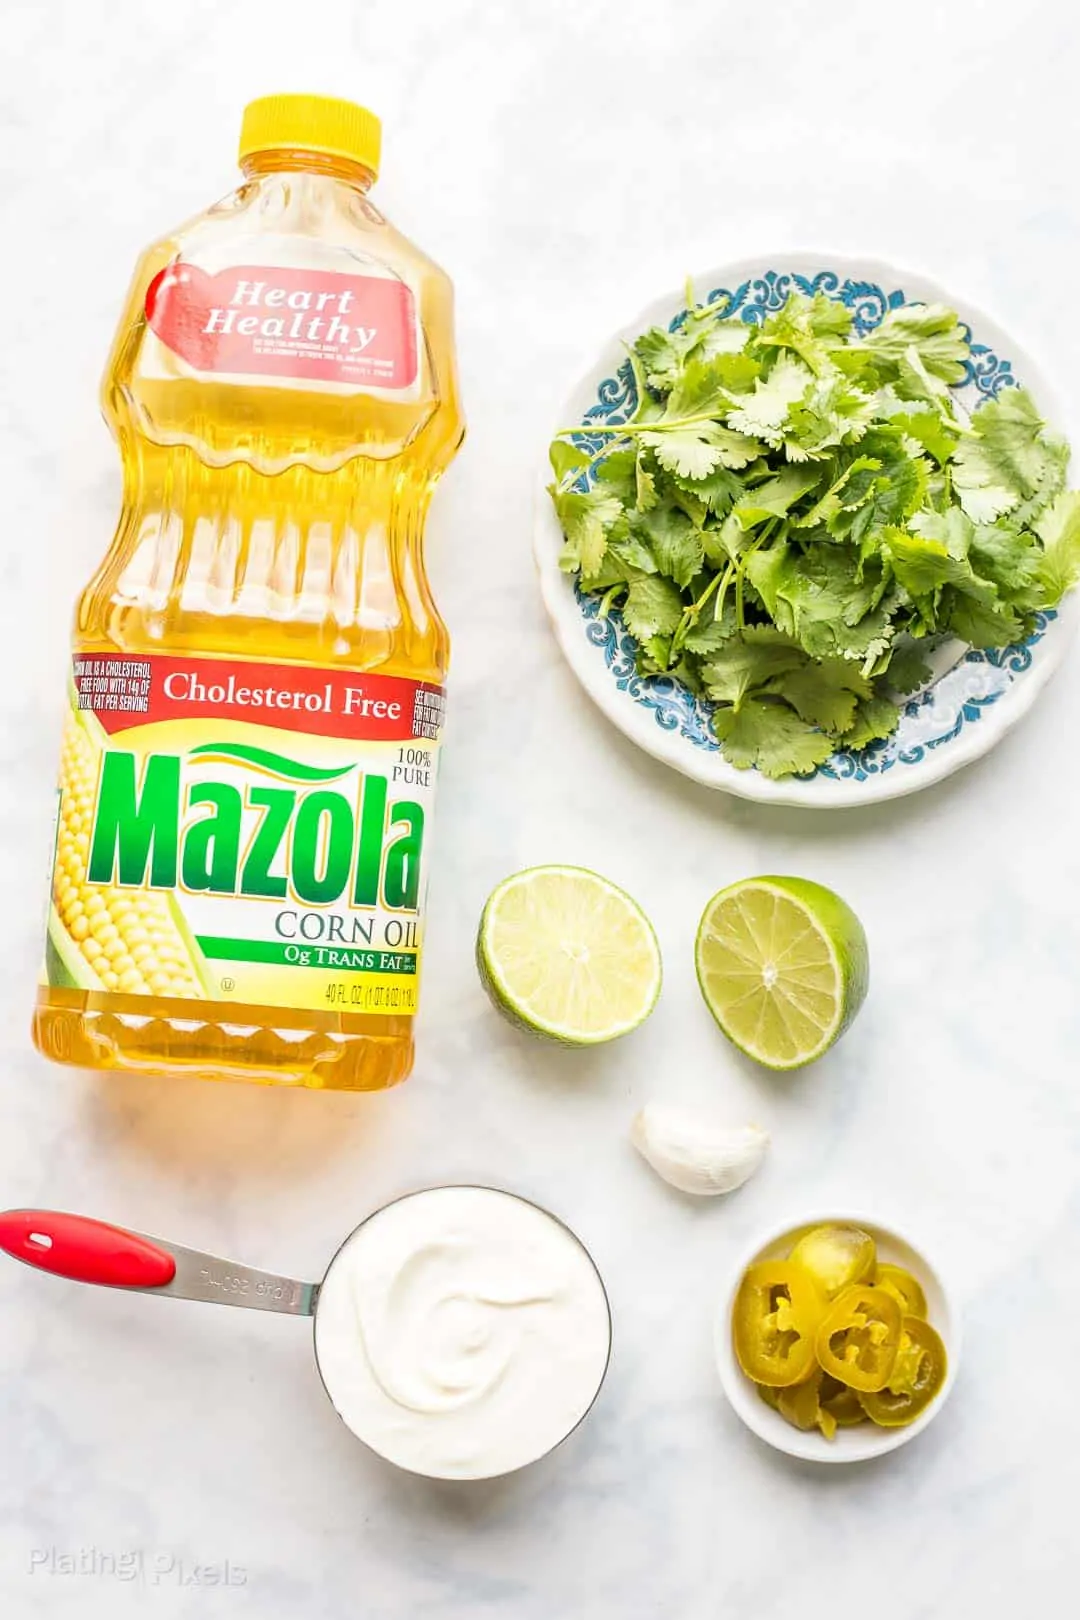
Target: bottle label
{"type": "Point", "coordinates": [260, 320]}
{"type": "Point", "coordinates": [253, 833]}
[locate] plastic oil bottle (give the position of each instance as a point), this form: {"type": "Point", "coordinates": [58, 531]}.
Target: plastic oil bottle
{"type": "Point", "coordinates": [243, 819]}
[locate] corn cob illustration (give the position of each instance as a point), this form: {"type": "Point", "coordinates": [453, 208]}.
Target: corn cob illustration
{"type": "Point", "coordinates": [106, 937]}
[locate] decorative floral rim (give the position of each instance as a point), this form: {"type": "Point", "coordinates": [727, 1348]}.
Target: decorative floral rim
{"type": "Point", "coordinates": [936, 733]}
{"type": "Point", "coordinates": [676, 709]}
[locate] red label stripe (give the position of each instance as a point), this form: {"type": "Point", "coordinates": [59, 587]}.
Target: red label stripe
{"type": "Point", "coordinates": [138, 691]}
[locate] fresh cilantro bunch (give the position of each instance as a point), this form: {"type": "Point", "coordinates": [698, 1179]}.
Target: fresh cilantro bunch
{"type": "Point", "coordinates": [795, 515]}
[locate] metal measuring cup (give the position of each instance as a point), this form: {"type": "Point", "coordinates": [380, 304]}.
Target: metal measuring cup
{"type": "Point", "coordinates": [85, 1250]}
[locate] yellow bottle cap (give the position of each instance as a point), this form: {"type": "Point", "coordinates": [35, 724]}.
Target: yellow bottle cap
{"type": "Point", "coordinates": [311, 124]}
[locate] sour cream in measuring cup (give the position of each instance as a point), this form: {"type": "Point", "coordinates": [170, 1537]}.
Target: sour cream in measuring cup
{"type": "Point", "coordinates": [462, 1332]}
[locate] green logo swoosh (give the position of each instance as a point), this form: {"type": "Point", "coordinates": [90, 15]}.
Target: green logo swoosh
{"type": "Point", "coordinates": [293, 769]}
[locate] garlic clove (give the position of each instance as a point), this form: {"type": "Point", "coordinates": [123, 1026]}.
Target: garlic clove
{"type": "Point", "coordinates": [697, 1155]}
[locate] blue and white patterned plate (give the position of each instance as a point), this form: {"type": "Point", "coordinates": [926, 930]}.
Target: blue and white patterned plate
{"type": "Point", "coordinates": [974, 698]}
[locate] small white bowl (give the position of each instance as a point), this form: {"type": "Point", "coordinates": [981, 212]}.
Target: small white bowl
{"type": "Point", "coordinates": [865, 1440]}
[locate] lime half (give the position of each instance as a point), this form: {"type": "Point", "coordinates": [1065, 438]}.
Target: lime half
{"type": "Point", "coordinates": [783, 966]}
{"type": "Point", "coordinates": [565, 953]}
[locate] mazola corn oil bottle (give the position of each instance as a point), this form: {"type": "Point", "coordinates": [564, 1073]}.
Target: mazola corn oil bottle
{"type": "Point", "coordinates": [256, 693]}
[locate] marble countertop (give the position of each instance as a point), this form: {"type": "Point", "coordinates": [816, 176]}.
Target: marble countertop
{"type": "Point", "coordinates": [566, 162]}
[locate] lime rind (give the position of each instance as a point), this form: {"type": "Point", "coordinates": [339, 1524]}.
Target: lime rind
{"type": "Point", "coordinates": [522, 1003]}
{"type": "Point", "coordinates": [818, 997]}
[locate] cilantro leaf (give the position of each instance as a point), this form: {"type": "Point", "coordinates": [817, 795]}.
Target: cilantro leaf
{"type": "Point", "coordinates": [709, 635]}
{"type": "Point", "coordinates": [1050, 485]}
{"type": "Point", "coordinates": [771, 737]}
{"type": "Point", "coordinates": [654, 655]}
{"type": "Point", "coordinates": [762, 414]}
{"type": "Point", "coordinates": [685, 670]}
{"type": "Point", "coordinates": [1003, 553]}
{"type": "Point", "coordinates": [688, 451]}
{"type": "Point", "coordinates": [907, 669]}
{"type": "Point", "coordinates": [865, 641]}
{"type": "Point", "coordinates": [627, 474]}
{"type": "Point", "coordinates": [616, 473]}
{"type": "Point", "coordinates": [653, 607]}
{"type": "Point", "coordinates": [1059, 531]}
{"type": "Point", "coordinates": [716, 491]}
{"type": "Point", "coordinates": [694, 449]}
{"type": "Point", "coordinates": [776, 496]}
{"type": "Point", "coordinates": [644, 486]}
{"type": "Point", "coordinates": [674, 542]}
{"type": "Point", "coordinates": [916, 384]}
{"type": "Point", "coordinates": [980, 623]}
{"type": "Point", "coordinates": [1003, 458]}
{"type": "Point", "coordinates": [587, 517]}
{"type": "Point", "coordinates": [566, 458]}
{"type": "Point", "coordinates": [921, 565]}
{"type": "Point", "coordinates": [952, 529]}
{"type": "Point", "coordinates": [703, 384]}
{"type": "Point", "coordinates": [875, 718]}
{"type": "Point", "coordinates": [889, 495]}
{"type": "Point", "coordinates": [932, 330]}
{"type": "Point", "coordinates": [741, 665]}
{"type": "Point", "coordinates": [662, 354]}
{"type": "Point", "coordinates": [633, 550]}
{"type": "Point", "coordinates": [727, 337]}
{"type": "Point", "coordinates": [813, 596]}
{"type": "Point", "coordinates": [738, 371]}
{"type": "Point", "coordinates": [848, 490]}
{"type": "Point", "coordinates": [933, 433]}
{"type": "Point", "coordinates": [860, 482]}
{"type": "Point", "coordinates": [828, 317]}
{"type": "Point", "coordinates": [833, 413]}
{"type": "Point", "coordinates": [824, 692]}
{"type": "Point", "coordinates": [810, 327]}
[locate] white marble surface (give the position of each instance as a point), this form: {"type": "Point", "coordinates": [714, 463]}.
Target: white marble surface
{"type": "Point", "coordinates": [565, 161]}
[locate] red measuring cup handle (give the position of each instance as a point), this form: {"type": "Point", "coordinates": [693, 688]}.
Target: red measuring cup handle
{"type": "Point", "coordinates": [84, 1250]}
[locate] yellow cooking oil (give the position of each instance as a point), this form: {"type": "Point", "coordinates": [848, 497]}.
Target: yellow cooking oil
{"type": "Point", "coordinates": [243, 820]}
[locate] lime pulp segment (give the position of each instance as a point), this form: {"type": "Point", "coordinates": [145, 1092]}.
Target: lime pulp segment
{"type": "Point", "coordinates": [783, 967]}
{"type": "Point", "coordinates": [568, 954]}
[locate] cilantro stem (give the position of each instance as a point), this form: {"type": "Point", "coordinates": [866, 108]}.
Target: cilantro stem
{"type": "Point", "coordinates": [706, 593]}
{"type": "Point", "coordinates": [725, 580]}
{"type": "Point", "coordinates": [676, 425]}
{"type": "Point", "coordinates": [616, 432]}
{"type": "Point", "coordinates": [641, 387]}
{"type": "Point", "coordinates": [591, 429]}
{"type": "Point", "coordinates": [692, 613]}
{"type": "Point", "coordinates": [766, 534]}
{"type": "Point", "coordinates": [573, 476]}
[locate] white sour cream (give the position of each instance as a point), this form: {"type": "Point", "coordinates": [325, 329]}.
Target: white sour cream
{"type": "Point", "coordinates": [462, 1332]}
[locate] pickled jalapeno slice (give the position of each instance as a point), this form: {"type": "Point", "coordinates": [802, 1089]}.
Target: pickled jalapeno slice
{"type": "Point", "coordinates": [778, 1310]}
{"type": "Point", "coordinates": [836, 1256]}
{"type": "Point", "coordinates": [859, 1338]}
{"type": "Point", "coordinates": [801, 1404]}
{"type": "Point", "coordinates": [906, 1288]}
{"type": "Point", "coordinates": [917, 1377]}
{"type": "Point", "coordinates": [841, 1403]}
